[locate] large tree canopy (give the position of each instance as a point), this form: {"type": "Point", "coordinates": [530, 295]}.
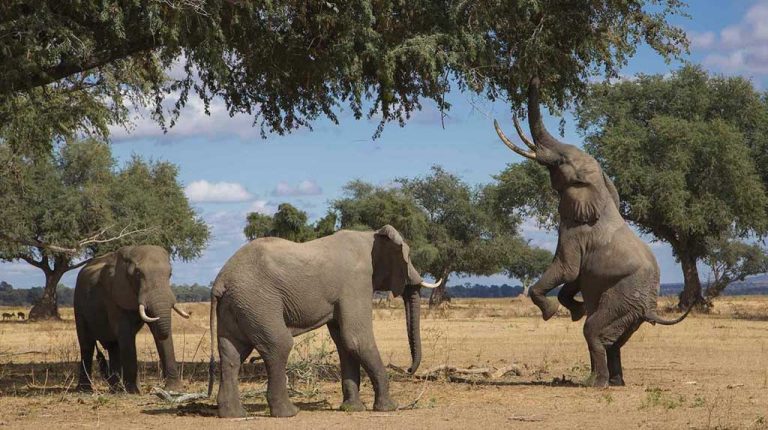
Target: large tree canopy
{"type": "Point", "coordinates": [58, 211]}
{"type": "Point", "coordinates": [688, 157]}
{"type": "Point", "coordinates": [288, 223]}
{"type": "Point", "coordinates": [288, 62]}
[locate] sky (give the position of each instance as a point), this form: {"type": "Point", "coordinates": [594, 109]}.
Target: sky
{"type": "Point", "coordinates": [228, 170]}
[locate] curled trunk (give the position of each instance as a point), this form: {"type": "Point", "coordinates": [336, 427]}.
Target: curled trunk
{"type": "Point", "coordinates": [412, 299]}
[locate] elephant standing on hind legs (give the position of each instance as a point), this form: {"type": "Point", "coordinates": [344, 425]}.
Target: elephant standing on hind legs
{"type": "Point", "coordinates": [273, 289]}
{"type": "Point", "coordinates": [597, 253]}
{"type": "Point", "coordinates": [115, 295]}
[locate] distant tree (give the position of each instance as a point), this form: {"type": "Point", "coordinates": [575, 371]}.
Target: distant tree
{"type": "Point", "coordinates": [59, 211]}
{"type": "Point", "coordinates": [288, 223]}
{"type": "Point", "coordinates": [730, 261]}
{"type": "Point", "coordinates": [687, 153]}
{"type": "Point", "coordinates": [527, 263]}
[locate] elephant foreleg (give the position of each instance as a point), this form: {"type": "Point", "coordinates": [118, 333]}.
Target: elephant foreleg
{"type": "Point", "coordinates": [87, 347]}
{"type": "Point", "coordinates": [128, 359]}
{"type": "Point", "coordinates": [566, 298]}
{"type": "Point", "coordinates": [167, 360]}
{"type": "Point", "coordinates": [350, 373]}
{"type": "Point", "coordinates": [556, 274]}
{"type": "Point", "coordinates": [114, 369]}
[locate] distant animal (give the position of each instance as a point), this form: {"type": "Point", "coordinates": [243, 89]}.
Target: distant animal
{"type": "Point", "coordinates": [21, 315]}
{"type": "Point", "coordinates": [597, 253]}
{"type": "Point", "coordinates": [273, 289]}
{"type": "Point", "coordinates": [7, 316]}
{"type": "Point", "coordinates": [115, 295]}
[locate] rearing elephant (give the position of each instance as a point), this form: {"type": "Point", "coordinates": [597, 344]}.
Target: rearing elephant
{"type": "Point", "coordinates": [273, 289]}
{"type": "Point", "coordinates": [115, 295]}
{"type": "Point", "coordinates": [597, 253]}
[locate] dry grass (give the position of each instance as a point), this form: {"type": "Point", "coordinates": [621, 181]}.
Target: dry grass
{"type": "Point", "coordinates": [711, 371]}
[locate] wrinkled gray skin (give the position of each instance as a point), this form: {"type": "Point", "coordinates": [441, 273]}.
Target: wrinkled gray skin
{"type": "Point", "coordinates": [108, 293]}
{"type": "Point", "coordinates": [596, 254]}
{"type": "Point", "coordinates": [273, 289]}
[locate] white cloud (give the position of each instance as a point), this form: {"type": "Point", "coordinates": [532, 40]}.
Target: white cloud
{"type": "Point", "coordinates": [262, 207]}
{"type": "Point", "coordinates": [738, 48]}
{"type": "Point", "coordinates": [216, 192]}
{"type": "Point", "coordinates": [304, 188]}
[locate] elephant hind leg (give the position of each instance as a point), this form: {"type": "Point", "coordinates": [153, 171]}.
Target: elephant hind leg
{"type": "Point", "coordinates": [274, 344]}
{"type": "Point", "coordinates": [615, 370]}
{"type": "Point", "coordinates": [231, 353]}
{"type": "Point", "coordinates": [350, 372]}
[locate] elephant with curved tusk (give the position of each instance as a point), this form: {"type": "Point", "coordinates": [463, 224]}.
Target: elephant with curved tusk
{"type": "Point", "coordinates": [597, 253]}
{"type": "Point", "coordinates": [115, 295]}
{"type": "Point", "coordinates": [273, 289]}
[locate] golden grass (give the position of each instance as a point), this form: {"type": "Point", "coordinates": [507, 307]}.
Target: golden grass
{"type": "Point", "coordinates": [711, 371]}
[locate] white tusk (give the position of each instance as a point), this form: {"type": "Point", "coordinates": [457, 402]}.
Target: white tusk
{"type": "Point", "coordinates": [522, 135]}
{"type": "Point", "coordinates": [428, 285]}
{"type": "Point", "coordinates": [180, 311]}
{"type": "Point", "coordinates": [510, 145]}
{"type": "Point", "coordinates": [143, 313]}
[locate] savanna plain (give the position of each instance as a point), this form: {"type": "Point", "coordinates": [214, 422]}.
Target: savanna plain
{"type": "Point", "coordinates": [514, 371]}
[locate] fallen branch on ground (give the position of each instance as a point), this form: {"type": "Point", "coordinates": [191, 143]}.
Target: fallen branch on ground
{"type": "Point", "coordinates": [481, 375]}
{"type": "Point", "coordinates": [173, 397]}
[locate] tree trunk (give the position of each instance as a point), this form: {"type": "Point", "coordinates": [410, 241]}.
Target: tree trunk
{"type": "Point", "coordinates": [692, 289]}
{"type": "Point", "coordinates": [439, 294]}
{"type": "Point", "coordinates": [526, 286]}
{"type": "Point", "coordinates": [47, 308]}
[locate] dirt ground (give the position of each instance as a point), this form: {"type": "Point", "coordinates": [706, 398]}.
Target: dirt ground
{"type": "Point", "coordinates": [711, 371]}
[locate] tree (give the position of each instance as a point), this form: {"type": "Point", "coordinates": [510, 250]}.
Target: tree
{"type": "Point", "coordinates": [731, 261]}
{"type": "Point", "coordinates": [688, 156]}
{"type": "Point", "coordinates": [527, 263]}
{"type": "Point", "coordinates": [384, 55]}
{"type": "Point", "coordinates": [288, 223]}
{"type": "Point", "coordinates": [58, 211]}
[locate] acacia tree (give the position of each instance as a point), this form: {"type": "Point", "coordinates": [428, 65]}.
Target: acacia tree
{"type": "Point", "coordinates": [59, 211]}
{"type": "Point", "coordinates": [527, 263]}
{"type": "Point", "coordinates": [730, 261]}
{"type": "Point", "coordinates": [688, 156]}
{"type": "Point", "coordinates": [391, 53]}
{"type": "Point", "coordinates": [288, 223]}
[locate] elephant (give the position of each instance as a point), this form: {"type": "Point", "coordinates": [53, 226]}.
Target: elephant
{"type": "Point", "coordinates": [21, 315]}
{"type": "Point", "coordinates": [115, 294]}
{"type": "Point", "coordinates": [272, 290]}
{"type": "Point", "coordinates": [597, 253]}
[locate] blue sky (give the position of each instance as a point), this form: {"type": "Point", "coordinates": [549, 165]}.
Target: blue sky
{"type": "Point", "coordinates": [229, 170]}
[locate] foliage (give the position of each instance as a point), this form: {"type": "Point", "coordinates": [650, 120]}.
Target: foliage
{"type": "Point", "coordinates": [288, 223]}
{"type": "Point", "coordinates": [687, 154]}
{"type": "Point", "coordinates": [731, 261]}
{"type": "Point", "coordinates": [381, 58]}
{"type": "Point", "coordinates": [527, 263]}
{"type": "Point", "coordinates": [522, 190]}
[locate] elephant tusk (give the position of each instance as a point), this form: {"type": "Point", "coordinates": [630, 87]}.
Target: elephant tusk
{"type": "Point", "coordinates": [510, 145]}
{"type": "Point", "coordinates": [180, 311]}
{"type": "Point", "coordinates": [528, 142]}
{"type": "Point", "coordinates": [143, 313]}
{"type": "Point", "coordinates": [428, 285]}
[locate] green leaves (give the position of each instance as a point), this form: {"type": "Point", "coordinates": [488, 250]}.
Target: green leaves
{"type": "Point", "coordinates": [288, 223]}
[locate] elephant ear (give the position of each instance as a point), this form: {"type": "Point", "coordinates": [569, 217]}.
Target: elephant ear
{"type": "Point", "coordinates": [123, 287]}
{"type": "Point", "coordinates": [390, 261]}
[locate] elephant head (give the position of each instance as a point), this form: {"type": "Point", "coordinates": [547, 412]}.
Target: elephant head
{"type": "Point", "coordinates": [141, 283]}
{"type": "Point", "coordinates": [586, 193]}
{"type": "Point", "coordinates": [393, 271]}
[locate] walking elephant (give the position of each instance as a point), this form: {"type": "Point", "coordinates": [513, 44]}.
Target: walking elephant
{"type": "Point", "coordinates": [597, 253]}
{"type": "Point", "coordinates": [273, 289]}
{"type": "Point", "coordinates": [115, 295]}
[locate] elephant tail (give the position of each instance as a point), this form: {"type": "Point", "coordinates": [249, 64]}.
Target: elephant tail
{"type": "Point", "coordinates": [212, 362]}
{"type": "Point", "coordinates": [654, 319]}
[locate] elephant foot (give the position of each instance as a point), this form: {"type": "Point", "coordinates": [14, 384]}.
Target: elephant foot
{"type": "Point", "coordinates": [132, 389]}
{"type": "Point", "coordinates": [173, 385]}
{"type": "Point", "coordinates": [549, 308]}
{"type": "Point", "coordinates": [84, 387]}
{"type": "Point", "coordinates": [577, 312]}
{"type": "Point", "coordinates": [616, 381]}
{"type": "Point", "coordinates": [384, 405]}
{"type": "Point", "coordinates": [283, 410]}
{"type": "Point", "coordinates": [598, 382]}
{"type": "Point", "coordinates": [236, 411]}
{"type": "Point", "coordinates": [352, 406]}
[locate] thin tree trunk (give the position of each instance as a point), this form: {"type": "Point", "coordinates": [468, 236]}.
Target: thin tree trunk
{"type": "Point", "coordinates": [47, 308]}
{"type": "Point", "coordinates": [439, 294]}
{"type": "Point", "coordinates": [692, 289]}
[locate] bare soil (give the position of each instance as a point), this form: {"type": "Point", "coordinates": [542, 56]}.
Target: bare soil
{"type": "Point", "coordinates": [711, 371]}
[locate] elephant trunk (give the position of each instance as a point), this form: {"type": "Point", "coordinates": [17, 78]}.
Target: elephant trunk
{"type": "Point", "coordinates": [159, 305]}
{"type": "Point", "coordinates": [412, 300]}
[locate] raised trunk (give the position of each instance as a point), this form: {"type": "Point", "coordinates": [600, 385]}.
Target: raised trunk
{"type": "Point", "coordinates": [692, 288]}
{"type": "Point", "coordinates": [412, 300]}
{"type": "Point", "coordinates": [540, 134]}
{"type": "Point", "coordinates": [47, 308]}
{"type": "Point", "coordinates": [439, 294]}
